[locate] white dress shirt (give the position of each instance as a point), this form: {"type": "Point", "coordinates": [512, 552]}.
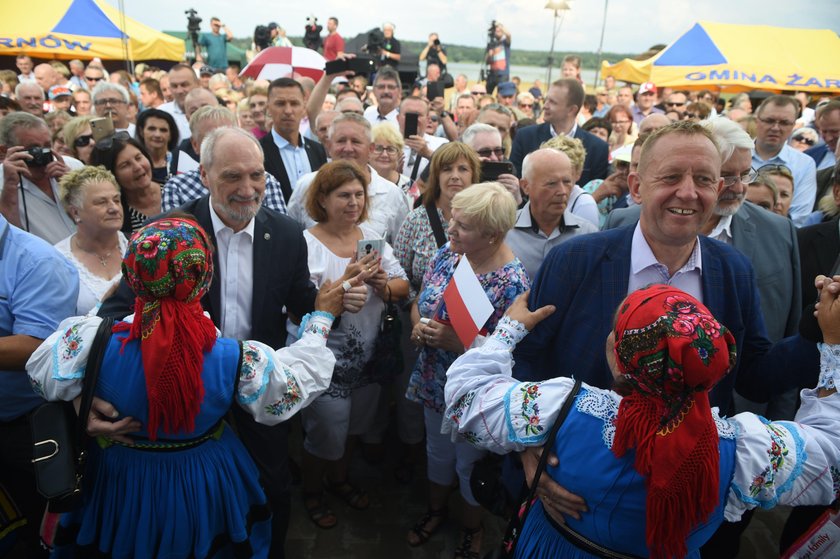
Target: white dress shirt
{"type": "Point", "coordinates": [645, 269]}
{"type": "Point", "coordinates": [372, 115]}
{"type": "Point", "coordinates": [723, 230]}
{"type": "Point", "coordinates": [236, 270]}
{"type": "Point", "coordinates": [433, 142]}
{"type": "Point", "coordinates": [295, 159]}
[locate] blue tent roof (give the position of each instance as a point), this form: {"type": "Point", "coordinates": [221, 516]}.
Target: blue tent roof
{"type": "Point", "coordinates": [85, 18]}
{"type": "Point", "coordinates": [695, 48]}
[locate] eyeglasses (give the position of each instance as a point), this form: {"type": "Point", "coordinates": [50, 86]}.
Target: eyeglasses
{"type": "Point", "coordinates": [90, 79]}
{"type": "Point", "coordinates": [390, 150]}
{"type": "Point", "coordinates": [771, 122]}
{"type": "Point", "coordinates": [107, 142]}
{"type": "Point", "coordinates": [83, 141]}
{"type": "Point", "coordinates": [526, 106]}
{"type": "Point", "coordinates": [804, 140]}
{"type": "Point", "coordinates": [388, 86]}
{"type": "Point", "coordinates": [108, 101]}
{"type": "Point", "coordinates": [620, 122]}
{"type": "Point", "coordinates": [691, 115]}
{"type": "Point", "coordinates": [434, 118]}
{"type": "Point", "coordinates": [487, 152]}
{"type": "Point", "coordinates": [670, 104]}
{"type": "Point", "coordinates": [746, 178]}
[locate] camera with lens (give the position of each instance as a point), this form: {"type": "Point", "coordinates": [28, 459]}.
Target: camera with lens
{"type": "Point", "coordinates": [436, 42]}
{"type": "Point", "coordinates": [193, 21]}
{"type": "Point", "coordinates": [491, 32]}
{"type": "Point", "coordinates": [375, 42]}
{"type": "Point", "coordinates": [41, 157]}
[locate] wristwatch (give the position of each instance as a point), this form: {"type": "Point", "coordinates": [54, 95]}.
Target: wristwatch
{"type": "Point", "coordinates": [445, 114]}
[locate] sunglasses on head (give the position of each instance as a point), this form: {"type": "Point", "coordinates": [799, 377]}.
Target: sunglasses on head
{"type": "Point", "coordinates": [83, 141]}
{"type": "Point", "coordinates": [107, 142]}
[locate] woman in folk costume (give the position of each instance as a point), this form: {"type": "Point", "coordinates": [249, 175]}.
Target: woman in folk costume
{"type": "Point", "coordinates": [658, 468]}
{"type": "Point", "coordinates": [183, 485]}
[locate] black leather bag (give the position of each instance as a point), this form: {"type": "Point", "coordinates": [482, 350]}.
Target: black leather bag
{"type": "Point", "coordinates": [386, 362]}
{"type": "Point", "coordinates": [59, 436]}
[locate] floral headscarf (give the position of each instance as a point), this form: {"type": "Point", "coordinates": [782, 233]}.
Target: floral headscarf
{"type": "Point", "coordinates": [672, 351]}
{"type": "Point", "coordinates": [169, 265]}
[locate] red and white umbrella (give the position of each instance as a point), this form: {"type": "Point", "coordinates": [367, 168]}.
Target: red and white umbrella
{"type": "Point", "coordinates": [285, 62]}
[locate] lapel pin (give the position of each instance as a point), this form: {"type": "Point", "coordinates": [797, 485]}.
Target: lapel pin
{"type": "Point", "coordinates": [267, 236]}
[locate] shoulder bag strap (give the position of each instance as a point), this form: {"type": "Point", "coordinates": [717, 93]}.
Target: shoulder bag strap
{"type": "Point", "coordinates": [561, 417]}
{"type": "Point", "coordinates": [437, 226]}
{"type": "Point", "coordinates": [94, 363]}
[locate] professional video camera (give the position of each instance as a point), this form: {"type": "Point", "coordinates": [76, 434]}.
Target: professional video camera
{"type": "Point", "coordinates": [492, 43]}
{"type": "Point", "coordinates": [375, 42]}
{"type": "Point", "coordinates": [312, 36]}
{"type": "Point", "coordinates": [491, 32]}
{"type": "Point", "coordinates": [193, 27]}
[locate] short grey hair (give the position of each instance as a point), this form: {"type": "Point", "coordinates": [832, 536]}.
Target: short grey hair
{"type": "Point", "coordinates": [496, 108]}
{"type": "Point", "coordinates": [23, 85]}
{"type": "Point", "coordinates": [208, 146]}
{"type": "Point", "coordinates": [103, 87]}
{"type": "Point", "coordinates": [351, 117]}
{"type": "Point", "coordinates": [325, 114]}
{"type": "Point", "coordinates": [220, 113]}
{"type": "Point", "coordinates": [476, 129]}
{"type": "Point", "coordinates": [465, 95]}
{"type": "Point", "coordinates": [729, 136]}
{"type": "Point", "coordinates": [10, 123]}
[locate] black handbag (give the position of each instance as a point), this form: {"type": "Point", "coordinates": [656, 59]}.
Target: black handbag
{"type": "Point", "coordinates": [517, 519]}
{"type": "Point", "coordinates": [386, 361]}
{"type": "Point", "coordinates": [59, 435]}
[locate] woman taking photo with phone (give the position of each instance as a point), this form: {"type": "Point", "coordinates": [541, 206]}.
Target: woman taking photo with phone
{"type": "Point", "coordinates": [337, 201]}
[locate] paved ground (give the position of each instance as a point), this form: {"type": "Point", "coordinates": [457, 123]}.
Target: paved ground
{"type": "Point", "coordinates": [379, 531]}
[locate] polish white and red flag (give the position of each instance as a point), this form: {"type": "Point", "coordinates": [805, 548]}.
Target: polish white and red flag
{"type": "Point", "coordinates": [466, 302]}
{"type": "Point", "coordinates": [285, 62]}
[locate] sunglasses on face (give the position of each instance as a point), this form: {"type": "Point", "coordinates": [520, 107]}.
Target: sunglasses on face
{"type": "Point", "coordinates": [107, 142]}
{"type": "Point", "coordinates": [670, 104]}
{"type": "Point", "coordinates": [83, 141]}
{"type": "Point", "coordinates": [804, 140]}
{"type": "Point", "coordinates": [88, 78]}
{"type": "Point", "coordinates": [526, 106]}
{"type": "Point", "coordinates": [487, 152]}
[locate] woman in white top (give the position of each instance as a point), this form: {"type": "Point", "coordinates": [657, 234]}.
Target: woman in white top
{"type": "Point", "coordinates": [91, 197]}
{"type": "Point", "coordinates": [337, 200]}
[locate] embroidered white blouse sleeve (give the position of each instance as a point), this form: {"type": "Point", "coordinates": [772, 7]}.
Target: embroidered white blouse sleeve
{"type": "Point", "coordinates": [56, 368]}
{"type": "Point", "coordinates": [491, 409]}
{"type": "Point", "coordinates": [275, 385]}
{"type": "Point", "coordinates": [788, 462]}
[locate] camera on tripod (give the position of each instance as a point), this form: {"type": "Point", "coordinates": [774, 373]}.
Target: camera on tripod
{"type": "Point", "coordinates": [193, 21]}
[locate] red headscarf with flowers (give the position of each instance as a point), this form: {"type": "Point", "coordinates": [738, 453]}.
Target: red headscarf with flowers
{"type": "Point", "coordinates": [169, 265]}
{"type": "Point", "coordinates": [672, 351]}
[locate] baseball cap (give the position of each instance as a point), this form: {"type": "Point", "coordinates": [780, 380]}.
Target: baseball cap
{"type": "Point", "coordinates": [647, 87]}
{"type": "Point", "coordinates": [273, 25]}
{"type": "Point", "coordinates": [623, 153]}
{"type": "Point", "coordinates": [506, 89]}
{"type": "Point", "coordinates": [57, 91]}
{"type": "Point", "coordinates": [205, 71]}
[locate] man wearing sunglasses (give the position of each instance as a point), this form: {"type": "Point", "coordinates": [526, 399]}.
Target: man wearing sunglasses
{"type": "Point", "coordinates": [486, 140]}
{"type": "Point", "coordinates": [93, 76]}
{"type": "Point", "coordinates": [775, 119]}
{"type": "Point", "coordinates": [677, 102]}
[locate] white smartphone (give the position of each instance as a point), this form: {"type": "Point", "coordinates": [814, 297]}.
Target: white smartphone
{"type": "Point", "coordinates": [366, 246]}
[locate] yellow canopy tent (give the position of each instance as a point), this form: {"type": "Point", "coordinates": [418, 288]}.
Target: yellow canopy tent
{"type": "Point", "coordinates": [84, 29]}
{"type": "Point", "coordinates": [740, 58]}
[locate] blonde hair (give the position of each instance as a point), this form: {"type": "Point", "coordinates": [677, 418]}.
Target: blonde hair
{"type": "Point", "coordinates": [490, 205]}
{"type": "Point", "coordinates": [72, 128]}
{"type": "Point", "coordinates": [72, 185]}
{"type": "Point", "coordinates": [387, 133]}
{"type": "Point", "coordinates": [572, 147]}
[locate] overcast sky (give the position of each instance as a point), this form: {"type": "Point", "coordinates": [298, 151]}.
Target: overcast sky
{"type": "Point", "coordinates": [632, 25]}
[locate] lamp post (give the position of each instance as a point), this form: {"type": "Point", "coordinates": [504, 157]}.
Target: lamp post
{"type": "Point", "coordinates": [560, 8]}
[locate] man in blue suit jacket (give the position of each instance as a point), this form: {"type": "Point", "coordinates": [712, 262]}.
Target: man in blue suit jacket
{"type": "Point", "coordinates": [827, 121]}
{"type": "Point", "coordinates": [678, 183]}
{"type": "Point", "coordinates": [562, 104]}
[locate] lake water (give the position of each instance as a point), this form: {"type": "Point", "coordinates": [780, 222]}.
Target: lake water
{"type": "Point", "coordinates": [526, 73]}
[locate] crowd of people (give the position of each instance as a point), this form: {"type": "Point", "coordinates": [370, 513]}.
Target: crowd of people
{"type": "Point", "coordinates": [251, 238]}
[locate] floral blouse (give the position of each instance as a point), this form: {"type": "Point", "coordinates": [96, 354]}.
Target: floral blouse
{"type": "Point", "coordinates": [502, 286]}
{"type": "Point", "coordinates": [416, 246]}
{"type": "Point", "coordinates": [776, 462]}
{"type": "Point", "coordinates": [273, 385]}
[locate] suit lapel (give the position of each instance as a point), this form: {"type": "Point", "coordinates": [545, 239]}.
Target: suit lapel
{"type": "Point", "coordinates": [213, 300]}
{"type": "Point", "coordinates": [544, 133]}
{"type": "Point", "coordinates": [826, 246]}
{"type": "Point", "coordinates": [615, 277]}
{"type": "Point", "coordinates": [275, 165]}
{"type": "Point", "coordinates": [712, 280]}
{"type": "Point", "coordinates": [312, 153]}
{"type": "Point", "coordinates": [261, 248]}
{"type": "Point", "coordinates": [743, 234]}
